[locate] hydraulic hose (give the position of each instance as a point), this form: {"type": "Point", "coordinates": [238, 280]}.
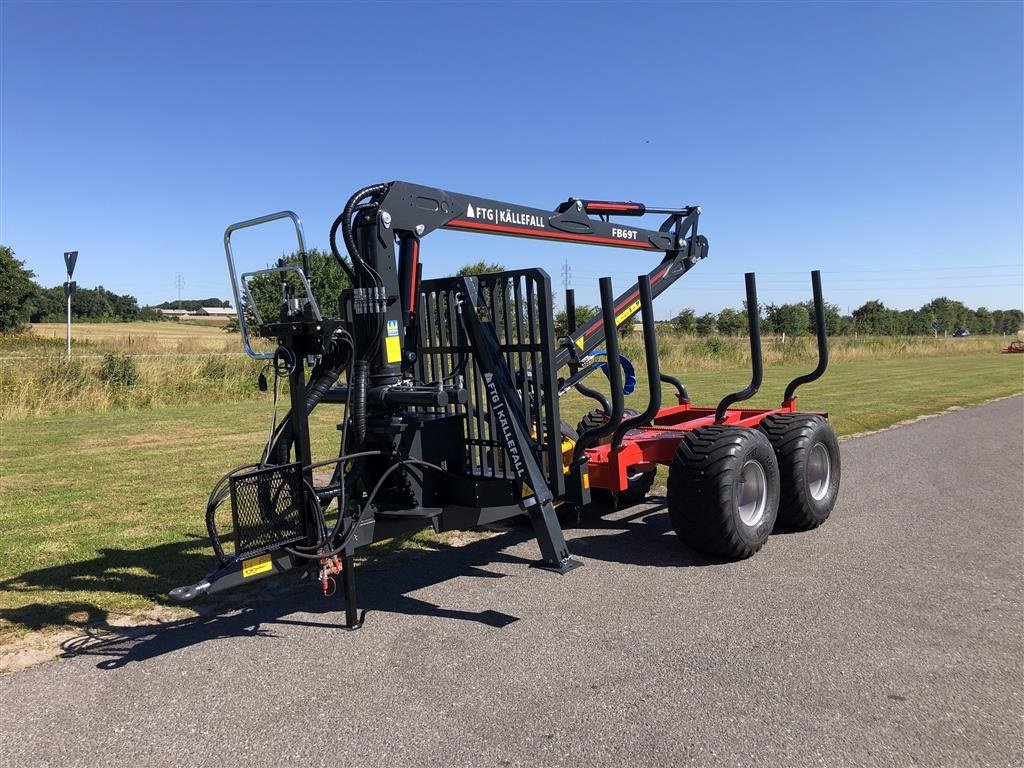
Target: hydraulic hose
{"type": "Point", "coordinates": [360, 376]}
{"type": "Point", "coordinates": [334, 249]}
{"type": "Point", "coordinates": [324, 377]}
{"type": "Point", "coordinates": [346, 222]}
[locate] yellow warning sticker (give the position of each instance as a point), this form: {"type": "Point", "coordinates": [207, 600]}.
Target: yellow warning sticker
{"type": "Point", "coordinates": [392, 349]}
{"type": "Point", "coordinates": [256, 565]}
{"type": "Point", "coordinates": [586, 480]}
{"type": "Point", "coordinates": [627, 312]}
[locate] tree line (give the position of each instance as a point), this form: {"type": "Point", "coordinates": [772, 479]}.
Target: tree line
{"type": "Point", "coordinates": [23, 300]}
{"type": "Point", "coordinates": [942, 315]}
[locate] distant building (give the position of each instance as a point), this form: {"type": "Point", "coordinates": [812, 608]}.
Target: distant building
{"type": "Point", "coordinates": [215, 312]}
{"type": "Point", "coordinates": [174, 312]}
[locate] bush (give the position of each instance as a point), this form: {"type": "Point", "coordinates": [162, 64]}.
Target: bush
{"type": "Point", "coordinates": [119, 371]}
{"type": "Point", "coordinates": [214, 368]}
{"type": "Point", "coordinates": [63, 373]}
{"type": "Point", "coordinates": [665, 348]}
{"type": "Point", "coordinates": [716, 347]}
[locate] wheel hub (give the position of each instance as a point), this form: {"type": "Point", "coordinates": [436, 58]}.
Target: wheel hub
{"type": "Point", "coordinates": [819, 471]}
{"type": "Point", "coordinates": [752, 493]}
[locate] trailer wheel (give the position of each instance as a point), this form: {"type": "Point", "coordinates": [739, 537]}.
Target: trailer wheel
{"type": "Point", "coordinates": [639, 482]}
{"type": "Point", "coordinates": [809, 467]}
{"type": "Point", "coordinates": [723, 490]}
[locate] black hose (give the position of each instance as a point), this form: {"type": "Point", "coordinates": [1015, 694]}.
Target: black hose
{"type": "Point", "coordinates": [360, 374]}
{"type": "Point", "coordinates": [346, 219]}
{"type": "Point", "coordinates": [369, 501]}
{"type": "Point", "coordinates": [324, 377]}
{"type": "Point", "coordinates": [334, 249]}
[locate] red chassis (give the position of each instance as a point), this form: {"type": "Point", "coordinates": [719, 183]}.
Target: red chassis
{"type": "Point", "coordinates": [643, 447]}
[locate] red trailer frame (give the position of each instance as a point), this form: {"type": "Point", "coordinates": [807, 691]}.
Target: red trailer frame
{"type": "Point", "coordinates": [641, 442]}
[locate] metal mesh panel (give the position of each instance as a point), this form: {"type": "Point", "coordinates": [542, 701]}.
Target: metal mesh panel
{"type": "Point", "coordinates": [519, 310]}
{"type": "Point", "coordinates": [266, 508]}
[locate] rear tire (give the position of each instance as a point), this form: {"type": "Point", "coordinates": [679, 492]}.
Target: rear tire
{"type": "Point", "coordinates": [723, 490]}
{"type": "Point", "coordinates": [809, 468]}
{"type": "Point", "coordinates": [639, 482]}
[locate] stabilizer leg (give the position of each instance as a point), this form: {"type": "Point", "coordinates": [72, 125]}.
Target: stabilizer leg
{"type": "Point", "coordinates": [353, 619]}
{"type": "Point", "coordinates": [508, 415]}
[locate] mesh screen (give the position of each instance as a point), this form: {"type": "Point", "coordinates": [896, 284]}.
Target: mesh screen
{"type": "Point", "coordinates": [266, 508]}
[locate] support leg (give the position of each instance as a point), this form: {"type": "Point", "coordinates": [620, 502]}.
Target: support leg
{"type": "Point", "coordinates": [353, 620]}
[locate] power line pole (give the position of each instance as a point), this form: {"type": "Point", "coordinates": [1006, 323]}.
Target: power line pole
{"type": "Point", "coordinates": [566, 275]}
{"type": "Point", "coordinates": [178, 283]}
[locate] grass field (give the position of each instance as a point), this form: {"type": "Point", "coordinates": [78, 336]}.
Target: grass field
{"type": "Point", "coordinates": [102, 513]}
{"type": "Point", "coordinates": [206, 335]}
{"type": "Point", "coordinates": [170, 363]}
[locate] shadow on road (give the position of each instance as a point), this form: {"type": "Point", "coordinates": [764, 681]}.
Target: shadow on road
{"type": "Point", "coordinates": [638, 536]}
{"type": "Point", "coordinates": [384, 585]}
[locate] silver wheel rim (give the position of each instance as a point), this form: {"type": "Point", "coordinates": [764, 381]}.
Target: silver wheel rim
{"type": "Point", "coordinates": [751, 493]}
{"type": "Point", "coordinates": [819, 471]}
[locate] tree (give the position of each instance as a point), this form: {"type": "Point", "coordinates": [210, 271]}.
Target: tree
{"type": "Point", "coordinates": [1007, 321]}
{"type": "Point", "coordinates": [326, 281]}
{"type": "Point", "coordinates": [17, 290]}
{"type": "Point", "coordinates": [982, 322]}
{"type": "Point", "coordinates": [584, 313]}
{"type": "Point", "coordinates": [685, 321]}
{"type": "Point", "coordinates": [732, 322]}
{"type": "Point", "coordinates": [790, 319]}
{"type": "Point", "coordinates": [833, 318]}
{"type": "Point", "coordinates": [873, 317]}
{"type": "Point", "coordinates": [706, 324]}
{"type": "Point", "coordinates": [479, 268]}
{"type": "Point", "coordinates": [949, 314]}
{"type": "Point", "coordinates": [916, 323]}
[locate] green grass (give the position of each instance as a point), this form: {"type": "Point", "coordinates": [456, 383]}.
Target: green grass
{"type": "Point", "coordinates": [102, 513]}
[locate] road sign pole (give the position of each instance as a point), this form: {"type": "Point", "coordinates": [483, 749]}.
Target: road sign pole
{"type": "Point", "coordinates": [70, 257]}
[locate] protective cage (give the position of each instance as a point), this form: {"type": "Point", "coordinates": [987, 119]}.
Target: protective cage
{"type": "Point", "coordinates": [266, 509]}
{"type": "Point", "coordinates": [517, 306]}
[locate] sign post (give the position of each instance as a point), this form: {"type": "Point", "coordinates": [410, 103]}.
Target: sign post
{"type": "Point", "coordinates": [70, 257]}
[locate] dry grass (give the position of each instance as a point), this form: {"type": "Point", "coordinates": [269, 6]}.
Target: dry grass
{"type": "Point", "coordinates": [52, 386]}
{"type": "Point", "coordinates": [181, 363]}
{"type": "Point", "coordinates": [185, 337]}
{"type": "Point", "coordinates": [173, 363]}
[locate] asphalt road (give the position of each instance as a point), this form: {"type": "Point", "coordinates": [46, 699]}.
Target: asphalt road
{"type": "Point", "coordinates": [891, 636]}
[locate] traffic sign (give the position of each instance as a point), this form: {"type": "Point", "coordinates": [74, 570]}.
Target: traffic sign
{"type": "Point", "coordinates": [69, 287]}
{"type": "Point", "coordinates": [70, 257]}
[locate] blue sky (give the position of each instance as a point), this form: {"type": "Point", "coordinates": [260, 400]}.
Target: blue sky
{"type": "Point", "coordinates": [879, 142]}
